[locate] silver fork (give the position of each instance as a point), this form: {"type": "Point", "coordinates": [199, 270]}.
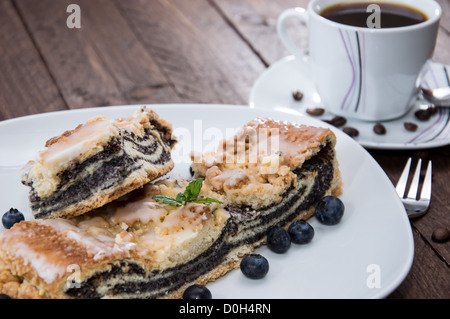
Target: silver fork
{"type": "Point", "coordinates": [414, 206]}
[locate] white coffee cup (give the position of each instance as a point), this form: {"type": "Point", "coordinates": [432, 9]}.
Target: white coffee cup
{"type": "Point", "coordinates": [365, 73]}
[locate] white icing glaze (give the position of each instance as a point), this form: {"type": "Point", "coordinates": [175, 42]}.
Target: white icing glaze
{"type": "Point", "coordinates": [112, 233]}
{"type": "Point", "coordinates": [142, 211]}
{"type": "Point", "coordinates": [98, 244]}
{"type": "Point", "coordinates": [45, 269]}
{"type": "Point", "coordinates": [77, 145]}
{"type": "Point", "coordinates": [85, 137]}
{"type": "Point", "coordinates": [86, 140]}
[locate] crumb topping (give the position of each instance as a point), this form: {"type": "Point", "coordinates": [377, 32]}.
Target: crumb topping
{"type": "Point", "coordinates": [255, 166]}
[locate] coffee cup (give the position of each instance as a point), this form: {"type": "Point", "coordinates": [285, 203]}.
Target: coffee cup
{"type": "Point", "coordinates": [366, 66]}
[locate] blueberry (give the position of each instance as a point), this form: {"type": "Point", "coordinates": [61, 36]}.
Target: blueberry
{"type": "Point", "coordinates": [278, 240]}
{"type": "Point", "coordinates": [301, 232]}
{"type": "Point", "coordinates": [254, 266]}
{"type": "Point", "coordinates": [197, 292]}
{"type": "Point", "coordinates": [329, 210]}
{"type": "Point", "coordinates": [11, 217]}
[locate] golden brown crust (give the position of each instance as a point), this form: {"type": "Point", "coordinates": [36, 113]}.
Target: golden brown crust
{"type": "Point", "coordinates": [19, 278]}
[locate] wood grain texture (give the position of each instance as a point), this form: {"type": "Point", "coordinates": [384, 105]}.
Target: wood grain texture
{"type": "Point", "coordinates": [73, 61]}
{"type": "Point", "coordinates": [445, 19]}
{"type": "Point", "coordinates": [258, 25]}
{"type": "Point", "coordinates": [103, 63]}
{"type": "Point", "coordinates": [426, 280]}
{"type": "Point", "coordinates": [236, 58]}
{"type": "Point", "coordinates": [183, 52]}
{"type": "Point", "coordinates": [26, 87]}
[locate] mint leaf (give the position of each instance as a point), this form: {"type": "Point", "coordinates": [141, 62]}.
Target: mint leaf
{"type": "Point", "coordinates": [180, 198]}
{"type": "Point", "coordinates": [190, 195]}
{"type": "Point", "coordinates": [167, 200]}
{"type": "Point", "coordinates": [206, 201]}
{"type": "Point", "coordinates": [193, 189]}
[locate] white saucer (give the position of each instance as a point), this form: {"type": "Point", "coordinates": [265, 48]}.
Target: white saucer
{"type": "Point", "coordinates": [274, 88]}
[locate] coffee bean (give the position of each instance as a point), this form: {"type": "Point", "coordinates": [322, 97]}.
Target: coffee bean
{"type": "Point", "coordinates": [409, 126]}
{"type": "Point", "coordinates": [351, 131]}
{"type": "Point", "coordinates": [338, 121]}
{"type": "Point", "coordinates": [440, 235]}
{"type": "Point", "coordinates": [432, 109]}
{"type": "Point", "coordinates": [317, 111]}
{"type": "Point", "coordinates": [423, 115]}
{"type": "Point", "coordinates": [379, 129]}
{"type": "Point", "coordinates": [297, 95]}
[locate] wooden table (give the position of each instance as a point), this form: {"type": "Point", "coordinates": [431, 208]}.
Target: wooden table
{"type": "Point", "coordinates": [176, 51]}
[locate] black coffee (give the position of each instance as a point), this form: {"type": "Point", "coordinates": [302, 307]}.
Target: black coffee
{"type": "Point", "coordinates": [391, 15]}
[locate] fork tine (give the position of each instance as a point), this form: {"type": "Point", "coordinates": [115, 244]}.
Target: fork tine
{"type": "Point", "coordinates": [426, 188]}
{"type": "Point", "coordinates": [401, 184]}
{"type": "Point", "coordinates": [415, 182]}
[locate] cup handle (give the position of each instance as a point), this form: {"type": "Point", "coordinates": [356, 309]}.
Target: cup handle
{"type": "Point", "coordinates": [283, 35]}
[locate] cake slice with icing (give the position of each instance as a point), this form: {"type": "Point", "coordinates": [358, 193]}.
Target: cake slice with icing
{"type": "Point", "coordinates": [271, 173]}
{"type": "Point", "coordinates": [97, 162]}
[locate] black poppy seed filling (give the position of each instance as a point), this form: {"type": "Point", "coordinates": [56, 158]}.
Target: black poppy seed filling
{"type": "Point", "coordinates": [166, 137]}
{"type": "Point", "coordinates": [322, 164]}
{"type": "Point", "coordinates": [169, 279]}
{"type": "Point", "coordinates": [160, 283]}
{"type": "Point", "coordinates": [116, 167]}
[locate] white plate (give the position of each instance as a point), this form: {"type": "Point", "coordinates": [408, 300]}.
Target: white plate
{"type": "Point", "coordinates": [273, 90]}
{"type": "Point", "coordinates": [367, 255]}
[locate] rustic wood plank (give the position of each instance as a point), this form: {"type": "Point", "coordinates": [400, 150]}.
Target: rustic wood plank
{"type": "Point", "coordinates": [102, 63]}
{"type": "Point", "coordinates": [445, 19]}
{"type": "Point", "coordinates": [136, 73]}
{"type": "Point", "coordinates": [26, 86]}
{"type": "Point", "coordinates": [393, 162]}
{"type": "Point", "coordinates": [238, 61]}
{"type": "Point", "coordinates": [442, 51]}
{"type": "Point", "coordinates": [182, 52]}
{"type": "Point", "coordinates": [428, 278]}
{"type": "Point", "coordinates": [73, 61]}
{"type": "Point", "coordinates": [257, 21]}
